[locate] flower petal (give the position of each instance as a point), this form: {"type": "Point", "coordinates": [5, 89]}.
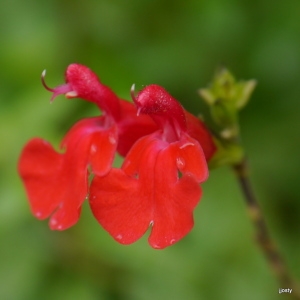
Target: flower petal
{"type": "Point", "coordinates": [146, 191]}
{"type": "Point", "coordinates": [39, 166]}
{"type": "Point", "coordinates": [86, 85]}
{"type": "Point", "coordinates": [173, 218]}
{"type": "Point", "coordinates": [197, 130]}
{"type": "Point", "coordinates": [59, 182]}
{"type": "Point", "coordinates": [119, 207]}
{"type": "Point", "coordinates": [190, 157]}
{"type": "Point", "coordinates": [175, 200]}
{"type": "Point", "coordinates": [93, 142]}
{"type": "Point", "coordinates": [132, 127]}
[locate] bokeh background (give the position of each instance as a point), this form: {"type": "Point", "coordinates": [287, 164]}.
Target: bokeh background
{"type": "Point", "coordinates": [179, 45]}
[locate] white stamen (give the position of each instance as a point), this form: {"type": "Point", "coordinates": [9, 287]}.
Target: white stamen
{"type": "Point", "coordinates": [71, 94]}
{"type": "Point", "coordinates": [186, 144]}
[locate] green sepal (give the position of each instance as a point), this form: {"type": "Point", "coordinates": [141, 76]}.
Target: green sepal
{"type": "Point", "coordinates": [226, 154]}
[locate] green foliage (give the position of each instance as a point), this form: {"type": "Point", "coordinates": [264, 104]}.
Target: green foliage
{"type": "Point", "coordinates": [176, 44]}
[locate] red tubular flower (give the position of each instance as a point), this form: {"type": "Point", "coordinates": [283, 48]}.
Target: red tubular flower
{"type": "Point", "coordinates": [158, 183]}
{"type": "Point", "coordinates": [57, 183]}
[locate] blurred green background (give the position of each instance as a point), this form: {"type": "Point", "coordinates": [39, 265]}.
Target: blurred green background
{"type": "Point", "coordinates": [179, 45]}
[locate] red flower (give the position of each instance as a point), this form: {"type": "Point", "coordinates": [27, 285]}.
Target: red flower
{"type": "Point", "coordinates": [57, 183]}
{"type": "Point", "coordinates": [158, 183]}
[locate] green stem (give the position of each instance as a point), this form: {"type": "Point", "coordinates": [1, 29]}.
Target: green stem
{"type": "Point", "coordinates": [266, 244]}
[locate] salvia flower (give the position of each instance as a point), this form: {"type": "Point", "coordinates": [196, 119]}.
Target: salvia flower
{"type": "Point", "coordinates": [158, 183]}
{"type": "Point", "coordinates": [57, 183]}
{"type": "Point", "coordinates": [166, 151]}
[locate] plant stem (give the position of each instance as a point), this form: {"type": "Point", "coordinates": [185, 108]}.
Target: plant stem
{"type": "Point", "coordinates": [264, 240]}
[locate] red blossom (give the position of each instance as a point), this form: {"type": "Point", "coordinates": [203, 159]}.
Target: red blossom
{"type": "Point", "coordinates": [166, 150]}
{"type": "Point", "coordinates": [158, 184]}
{"type": "Point", "coordinates": [57, 182]}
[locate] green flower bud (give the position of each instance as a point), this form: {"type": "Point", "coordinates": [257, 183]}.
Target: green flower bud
{"type": "Point", "coordinates": [225, 97]}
